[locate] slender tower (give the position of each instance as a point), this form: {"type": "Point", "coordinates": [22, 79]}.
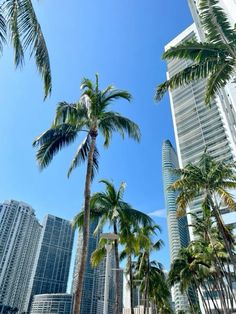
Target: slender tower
{"type": "Point", "coordinates": [19, 238]}
{"type": "Point", "coordinates": [177, 228]}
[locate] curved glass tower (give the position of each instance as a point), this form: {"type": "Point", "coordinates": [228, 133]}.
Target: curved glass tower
{"type": "Point", "coordinates": [177, 228]}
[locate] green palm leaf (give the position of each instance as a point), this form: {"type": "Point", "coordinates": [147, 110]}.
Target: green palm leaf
{"type": "Point", "coordinates": [51, 142]}
{"type": "Point", "coordinates": [81, 156]}
{"type": "Point", "coordinates": [32, 36]}
{"type": "Point", "coordinates": [13, 8]}
{"type": "Point", "coordinates": [3, 29]}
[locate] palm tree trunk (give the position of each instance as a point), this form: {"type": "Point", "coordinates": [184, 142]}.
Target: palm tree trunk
{"type": "Point", "coordinates": [131, 284]}
{"type": "Point", "coordinates": [87, 192]}
{"type": "Point", "coordinates": [117, 274]}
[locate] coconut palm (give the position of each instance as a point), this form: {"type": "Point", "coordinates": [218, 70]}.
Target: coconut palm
{"type": "Point", "coordinates": [207, 261]}
{"type": "Point", "coordinates": [144, 266]}
{"type": "Point", "coordinates": [92, 115]}
{"type": "Point", "coordinates": [18, 19]}
{"type": "Point", "coordinates": [112, 208]}
{"type": "Point", "coordinates": [212, 180]}
{"type": "Point", "coordinates": [213, 59]}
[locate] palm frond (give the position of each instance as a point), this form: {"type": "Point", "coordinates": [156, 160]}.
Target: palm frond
{"type": "Point", "coordinates": [98, 255]}
{"type": "Point", "coordinates": [227, 198]}
{"type": "Point", "coordinates": [86, 83]}
{"type": "Point", "coordinates": [65, 113]}
{"type": "Point", "coordinates": [52, 141]}
{"type": "Point", "coordinates": [13, 8]}
{"type": "Point", "coordinates": [81, 156]}
{"type": "Point", "coordinates": [3, 29]}
{"type": "Point", "coordinates": [196, 51]}
{"type": "Point", "coordinates": [191, 73]}
{"type": "Point", "coordinates": [32, 36]}
{"type": "Point", "coordinates": [223, 73]}
{"type": "Point", "coordinates": [112, 94]}
{"type": "Point", "coordinates": [215, 23]}
{"type": "Point", "coordinates": [113, 121]}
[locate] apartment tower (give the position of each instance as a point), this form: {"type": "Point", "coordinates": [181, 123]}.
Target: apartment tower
{"type": "Point", "coordinates": [19, 240]}
{"type": "Point", "coordinates": [51, 268]}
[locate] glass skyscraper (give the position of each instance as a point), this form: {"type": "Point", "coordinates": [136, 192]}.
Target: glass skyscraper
{"type": "Point", "coordinates": [19, 240]}
{"type": "Point", "coordinates": [177, 228]}
{"type": "Point", "coordinates": [52, 265]}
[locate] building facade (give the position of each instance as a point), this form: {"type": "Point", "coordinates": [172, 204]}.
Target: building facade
{"type": "Point", "coordinates": [57, 303]}
{"type": "Point", "coordinates": [178, 233]}
{"type": "Point", "coordinates": [19, 239]}
{"type": "Point", "coordinates": [51, 268]}
{"type": "Point", "coordinates": [196, 125]}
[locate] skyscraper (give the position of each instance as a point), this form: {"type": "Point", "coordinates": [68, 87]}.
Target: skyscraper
{"type": "Point", "coordinates": [19, 239]}
{"type": "Point", "coordinates": [52, 265]}
{"type": "Point", "coordinates": [177, 228]}
{"type": "Point", "coordinates": [89, 301]}
{"type": "Point", "coordinates": [198, 126]}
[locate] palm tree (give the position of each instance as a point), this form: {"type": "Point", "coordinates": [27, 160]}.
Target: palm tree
{"type": "Point", "coordinates": [213, 59]}
{"type": "Point", "coordinates": [212, 180]}
{"type": "Point", "coordinates": [111, 208]}
{"type": "Point", "coordinates": [132, 240]}
{"type": "Point", "coordinates": [207, 261]}
{"type": "Point", "coordinates": [144, 266]}
{"type": "Point", "coordinates": [91, 115]}
{"type": "Point", "coordinates": [18, 18]}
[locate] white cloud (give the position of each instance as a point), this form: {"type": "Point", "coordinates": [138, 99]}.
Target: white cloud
{"type": "Point", "coordinates": [161, 213]}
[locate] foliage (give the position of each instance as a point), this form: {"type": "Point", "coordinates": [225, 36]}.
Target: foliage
{"type": "Point", "coordinates": [18, 19]}
{"type": "Point", "coordinates": [214, 59]}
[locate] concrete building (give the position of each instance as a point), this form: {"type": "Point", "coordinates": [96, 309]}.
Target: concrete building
{"type": "Point", "coordinates": [56, 303]}
{"type": "Point", "coordinates": [51, 268]}
{"type": "Point", "coordinates": [178, 233]}
{"type": "Point", "coordinates": [19, 239]}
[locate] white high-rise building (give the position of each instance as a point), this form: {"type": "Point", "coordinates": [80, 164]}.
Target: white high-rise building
{"type": "Point", "coordinates": [196, 125]}
{"type": "Point", "coordinates": [19, 237]}
{"type": "Point", "coordinates": [227, 96]}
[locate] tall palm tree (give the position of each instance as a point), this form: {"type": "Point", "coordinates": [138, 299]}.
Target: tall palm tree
{"type": "Point", "coordinates": [213, 180]}
{"type": "Point", "coordinates": [92, 115]}
{"type": "Point", "coordinates": [18, 18]}
{"type": "Point", "coordinates": [112, 208]}
{"type": "Point", "coordinates": [144, 266]}
{"type": "Point", "coordinates": [213, 59]}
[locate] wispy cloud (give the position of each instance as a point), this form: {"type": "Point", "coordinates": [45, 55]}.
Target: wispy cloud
{"type": "Point", "coordinates": [161, 213]}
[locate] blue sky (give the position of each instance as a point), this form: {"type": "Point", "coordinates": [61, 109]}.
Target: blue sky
{"type": "Point", "coordinates": [123, 42]}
